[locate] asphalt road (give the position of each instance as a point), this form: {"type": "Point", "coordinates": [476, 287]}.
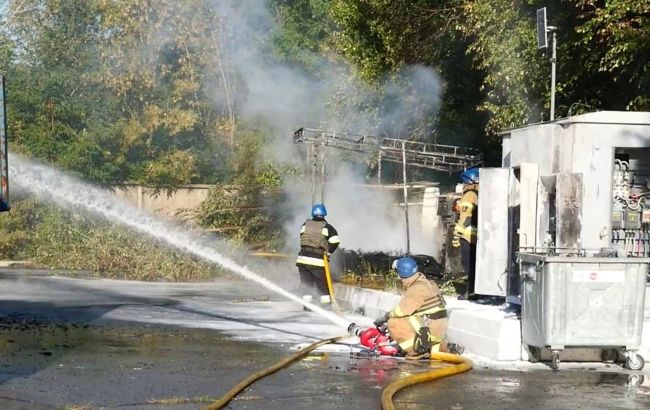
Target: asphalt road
{"type": "Point", "coordinates": [90, 344]}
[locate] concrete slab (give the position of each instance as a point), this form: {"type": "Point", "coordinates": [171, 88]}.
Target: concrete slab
{"type": "Point", "coordinates": [486, 331]}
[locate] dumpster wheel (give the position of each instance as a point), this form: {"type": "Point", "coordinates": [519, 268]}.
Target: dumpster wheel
{"type": "Point", "coordinates": [634, 361]}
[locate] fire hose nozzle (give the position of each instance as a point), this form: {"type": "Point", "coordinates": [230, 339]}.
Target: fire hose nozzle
{"type": "Point", "coordinates": [354, 329]}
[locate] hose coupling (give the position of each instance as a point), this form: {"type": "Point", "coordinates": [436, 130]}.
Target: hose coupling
{"type": "Point", "coordinates": [354, 329]}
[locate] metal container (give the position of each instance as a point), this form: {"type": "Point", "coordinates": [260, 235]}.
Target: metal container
{"type": "Point", "coordinates": [588, 301]}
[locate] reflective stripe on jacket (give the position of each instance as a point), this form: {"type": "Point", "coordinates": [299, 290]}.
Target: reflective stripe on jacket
{"type": "Point", "coordinates": [466, 227]}
{"type": "Point", "coordinates": [316, 238]}
{"type": "Point", "coordinates": [422, 298]}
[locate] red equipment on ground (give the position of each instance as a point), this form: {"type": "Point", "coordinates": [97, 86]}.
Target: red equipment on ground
{"type": "Point", "coordinates": [375, 340]}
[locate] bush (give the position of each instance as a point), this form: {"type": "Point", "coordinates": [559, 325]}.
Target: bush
{"type": "Point", "coordinates": [58, 239]}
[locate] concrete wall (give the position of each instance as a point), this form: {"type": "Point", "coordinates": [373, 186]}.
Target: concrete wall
{"type": "Point", "coordinates": [189, 197]}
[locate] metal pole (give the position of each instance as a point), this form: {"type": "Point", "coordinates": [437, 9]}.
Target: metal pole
{"type": "Point", "coordinates": [553, 61]}
{"type": "Point", "coordinates": [322, 173]}
{"type": "Point", "coordinates": [379, 168]}
{"type": "Point", "coordinates": [406, 204]}
{"type": "Point", "coordinates": [312, 165]}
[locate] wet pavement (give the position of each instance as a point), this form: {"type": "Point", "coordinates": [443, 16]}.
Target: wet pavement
{"type": "Point", "coordinates": [77, 344]}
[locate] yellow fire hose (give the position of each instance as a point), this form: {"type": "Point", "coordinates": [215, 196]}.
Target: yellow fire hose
{"type": "Point", "coordinates": [270, 255]}
{"type": "Point", "coordinates": [265, 372]}
{"type": "Point", "coordinates": [330, 287]}
{"type": "Point", "coordinates": [461, 365]}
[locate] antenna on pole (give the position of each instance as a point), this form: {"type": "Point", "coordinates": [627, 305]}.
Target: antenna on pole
{"type": "Point", "coordinates": [542, 42]}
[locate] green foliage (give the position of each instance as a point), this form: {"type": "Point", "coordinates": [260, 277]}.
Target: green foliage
{"type": "Point", "coordinates": [113, 89]}
{"type": "Point", "coordinates": [58, 239]}
{"type": "Point", "coordinates": [381, 36]}
{"type": "Point", "coordinates": [306, 27]}
{"type": "Point", "coordinates": [145, 91]}
{"type": "Point", "coordinates": [246, 209]}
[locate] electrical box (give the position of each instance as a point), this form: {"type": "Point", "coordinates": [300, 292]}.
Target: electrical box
{"type": "Point", "coordinates": [618, 219]}
{"type": "Point", "coordinates": [632, 220]}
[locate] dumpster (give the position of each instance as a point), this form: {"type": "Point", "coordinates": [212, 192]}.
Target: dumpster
{"type": "Point", "coordinates": [583, 301]}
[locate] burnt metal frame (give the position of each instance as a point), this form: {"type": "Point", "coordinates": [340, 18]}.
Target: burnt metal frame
{"type": "Point", "coordinates": [438, 157]}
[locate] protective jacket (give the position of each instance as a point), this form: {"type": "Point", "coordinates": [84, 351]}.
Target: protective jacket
{"type": "Point", "coordinates": [316, 238]}
{"type": "Point", "coordinates": [466, 227]}
{"type": "Point", "coordinates": [422, 306]}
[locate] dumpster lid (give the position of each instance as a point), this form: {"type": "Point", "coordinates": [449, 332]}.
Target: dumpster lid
{"type": "Point", "coordinates": [572, 258]}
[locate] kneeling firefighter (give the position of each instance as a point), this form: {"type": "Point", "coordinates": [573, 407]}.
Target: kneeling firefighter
{"type": "Point", "coordinates": [418, 324]}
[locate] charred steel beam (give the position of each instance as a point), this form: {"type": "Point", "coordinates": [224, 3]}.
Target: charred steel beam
{"type": "Point", "coordinates": [418, 154]}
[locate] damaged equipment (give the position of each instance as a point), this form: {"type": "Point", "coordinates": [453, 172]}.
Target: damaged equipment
{"type": "Point", "coordinates": [566, 232]}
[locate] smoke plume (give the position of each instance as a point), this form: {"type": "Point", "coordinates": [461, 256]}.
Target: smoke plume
{"type": "Point", "coordinates": [285, 98]}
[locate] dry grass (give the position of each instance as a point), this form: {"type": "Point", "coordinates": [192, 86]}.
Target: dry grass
{"type": "Point", "coordinates": [77, 407]}
{"type": "Point", "coordinates": [371, 281]}
{"type": "Point", "coordinates": [181, 400]}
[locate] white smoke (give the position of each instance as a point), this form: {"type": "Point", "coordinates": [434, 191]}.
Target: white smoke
{"type": "Point", "coordinates": [367, 218]}
{"type": "Point", "coordinates": [285, 98]}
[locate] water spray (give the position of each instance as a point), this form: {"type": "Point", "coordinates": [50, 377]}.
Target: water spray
{"type": "Point", "coordinates": [50, 183]}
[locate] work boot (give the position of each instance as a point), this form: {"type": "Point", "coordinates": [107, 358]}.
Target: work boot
{"type": "Point", "coordinates": [455, 348]}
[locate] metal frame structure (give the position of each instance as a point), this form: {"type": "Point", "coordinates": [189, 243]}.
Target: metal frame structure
{"type": "Point", "coordinates": [407, 153]}
{"type": "Point", "coordinates": [438, 157]}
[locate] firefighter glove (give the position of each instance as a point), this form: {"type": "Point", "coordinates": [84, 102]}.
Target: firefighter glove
{"type": "Point", "coordinates": [455, 242]}
{"type": "Point", "coordinates": [381, 321]}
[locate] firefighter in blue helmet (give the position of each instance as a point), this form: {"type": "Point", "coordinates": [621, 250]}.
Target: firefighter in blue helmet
{"type": "Point", "coordinates": [465, 231]}
{"type": "Point", "coordinates": [418, 323]}
{"type": "Point", "coordinates": [317, 239]}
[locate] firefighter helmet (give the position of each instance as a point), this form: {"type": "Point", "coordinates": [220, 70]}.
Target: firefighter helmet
{"type": "Point", "coordinates": [406, 267]}
{"type": "Point", "coordinates": [318, 210]}
{"type": "Point", "coordinates": [470, 176]}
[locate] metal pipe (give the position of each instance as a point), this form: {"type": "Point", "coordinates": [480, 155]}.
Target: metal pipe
{"type": "Point", "coordinates": [312, 160]}
{"type": "Point", "coordinates": [379, 168]}
{"type": "Point", "coordinates": [553, 64]}
{"type": "Point", "coordinates": [406, 203]}
{"type": "Point", "coordinates": [322, 173]}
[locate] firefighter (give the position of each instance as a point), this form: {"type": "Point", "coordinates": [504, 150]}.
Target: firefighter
{"type": "Point", "coordinates": [419, 322]}
{"type": "Point", "coordinates": [465, 231]}
{"type": "Point", "coordinates": [317, 239]}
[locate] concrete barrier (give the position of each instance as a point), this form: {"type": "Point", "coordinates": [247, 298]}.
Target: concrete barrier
{"type": "Point", "coordinates": [487, 331]}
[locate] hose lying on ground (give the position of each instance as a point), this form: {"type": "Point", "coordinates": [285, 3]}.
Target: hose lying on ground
{"type": "Point", "coordinates": [462, 365]}
{"type": "Point", "coordinates": [265, 372]}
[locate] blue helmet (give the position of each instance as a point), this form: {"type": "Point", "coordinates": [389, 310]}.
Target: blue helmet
{"type": "Point", "coordinates": [470, 176]}
{"type": "Point", "coordinates": [406, 267]}
{"type": "Point", "coordinates": [318, 210]}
